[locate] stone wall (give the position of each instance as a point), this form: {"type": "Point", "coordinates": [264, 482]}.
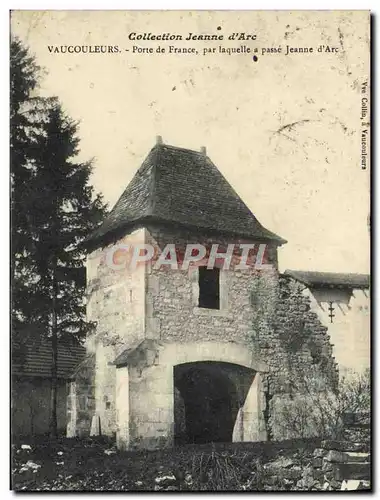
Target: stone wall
{"type": "Point", "coordinates": [147, 382]}
{"type": "Point", "coordinates": [294, 344]}
{"type": "Point", "coordinates": [174, 319]}
{"type": "Point", "coordinates": [116, 305]}
{"type": "Point", "coordinates": [331, 466]}
{"type": "Point", "coordinates": [260, 324]}
{"type": "Point", "coordinates": [172, 307]}
{"type": "Point", "coordinates": [342, 461]}
{"type": "Point", "coordinates": [81, 399]}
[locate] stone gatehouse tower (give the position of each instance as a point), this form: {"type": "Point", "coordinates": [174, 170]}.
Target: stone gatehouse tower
{"type": "Point", "coordinates": [171, 358]}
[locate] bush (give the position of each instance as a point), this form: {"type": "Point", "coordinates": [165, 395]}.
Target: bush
{"type": "Point", "coordinates": [355, 394]}
{"type": "Point", "coordinates": [313, 410]}
{"type": "Point", "coordinates": [304, 416]}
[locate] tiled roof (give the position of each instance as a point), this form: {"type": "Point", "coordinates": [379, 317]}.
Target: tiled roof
{"type": "Point", "coordinates": [139, 350]}
{"type": "Point", "coordinates": [36, 360]}
{"type": "Point", "coordinates": [181, 187]}
{"type": "Point", "coordinates": [335, 280]}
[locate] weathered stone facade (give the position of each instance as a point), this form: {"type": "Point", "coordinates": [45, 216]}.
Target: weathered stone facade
{"type": "Point", "coordinates": [153, 313]}
{"type": "Point", "coordinates": [149, 320]}
{"type": "Point", "coordinates": [294, 344]}
{"type": "Point", "coordinates": [167, 368]}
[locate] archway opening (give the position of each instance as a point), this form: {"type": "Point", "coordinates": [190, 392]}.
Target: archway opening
{"type": "Point", "coordinates": [207, 399]}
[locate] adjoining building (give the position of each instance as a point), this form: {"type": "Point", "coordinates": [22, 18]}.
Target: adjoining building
{"type": "Point", "coordinates": [342, 303]}
{"type": "Point", "coordinates": [31, 386]}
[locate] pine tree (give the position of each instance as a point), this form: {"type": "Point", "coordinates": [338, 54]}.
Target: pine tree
{"type": "Point", "coordinates": [65, 211]}
{"type": "Point", "coordinates": [27, 113]}
{"type": "Point", "coordinates": [54, 208]}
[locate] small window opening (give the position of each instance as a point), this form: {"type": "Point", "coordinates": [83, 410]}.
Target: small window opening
{"type": "Point", "coordinates": [209, 288]}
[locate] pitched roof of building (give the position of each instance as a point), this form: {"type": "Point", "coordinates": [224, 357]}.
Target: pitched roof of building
{"type": "Point", "coordinates": [181, 187]}
{"type": "Point", "coordinates": [138, 349]}
{"type": "Point", "coordinates": [36, 360]}
{"type": "Point", "coordinates": [314, 279]}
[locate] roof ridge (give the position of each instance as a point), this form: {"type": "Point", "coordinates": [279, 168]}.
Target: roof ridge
{"type": "Point", "coordinates": [329, 278]}
{"type": "Point", "coordinates": [154, 178]}
{"type": "Point", "coordinates": [325, 272]}
{"type": "Point", "coordinates": [185, 186]}
{"type": "Point", "coordinates": [184, 150]}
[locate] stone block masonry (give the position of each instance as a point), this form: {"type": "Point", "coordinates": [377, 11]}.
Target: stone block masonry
{"type": "Point", "coordinates": [148, 323]}
{"type": "Point", "coordinates": [297, 349]}
{"type": "Point", "coordinates": [209, 356]}
{"type": "Point", "coordinates": [337, 466]}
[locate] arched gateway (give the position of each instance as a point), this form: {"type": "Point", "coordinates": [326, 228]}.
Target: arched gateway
{"type": "Point", "coordinates": [171, 394]}
{"type": "Point", "coordinates": [207, 399]}
{"type": "Point", "coordinates": [172, 357]}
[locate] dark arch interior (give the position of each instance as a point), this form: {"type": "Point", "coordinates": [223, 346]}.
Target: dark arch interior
{"type": "Point", "coordinates": [207, 398]}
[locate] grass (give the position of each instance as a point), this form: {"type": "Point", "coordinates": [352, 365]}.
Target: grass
{"type": "Point", "coordinates": [95, 465]}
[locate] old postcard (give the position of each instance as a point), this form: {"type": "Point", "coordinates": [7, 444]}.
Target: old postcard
{"type": "Point", "coordinates": [190, 250]}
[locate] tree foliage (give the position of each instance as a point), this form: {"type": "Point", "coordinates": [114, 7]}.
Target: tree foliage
{"type": "Point", "coordinates": [26, 114]}
{"type": "Point", "coordinates": [65, 211]}
{"type": "Point", "coordinates": [53, 209]}
{"type": "Point", "coordinates": [53, 205]}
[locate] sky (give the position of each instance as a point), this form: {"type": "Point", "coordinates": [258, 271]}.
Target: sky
{"type": "Point", "coordinates": [284, 130]}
